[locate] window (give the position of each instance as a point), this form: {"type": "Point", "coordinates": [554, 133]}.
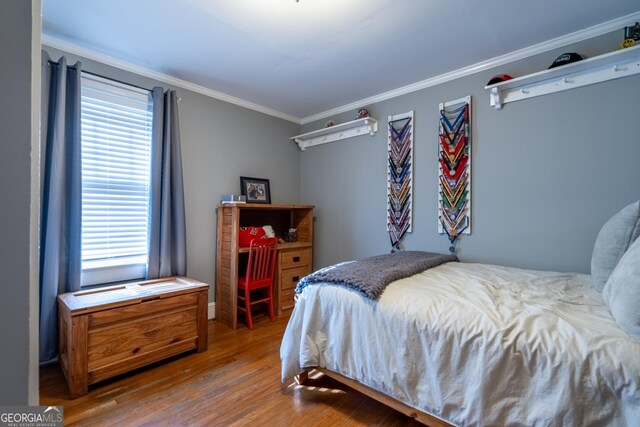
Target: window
{"type": "Point", "coordinates": [116, 121]}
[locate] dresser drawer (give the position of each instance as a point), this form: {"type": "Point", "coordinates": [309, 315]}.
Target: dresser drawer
{"type": "Point", "coordinates": [295, 258]}
{"type": "Point", "coordinates": [295, 263]}
{"type": "Point", "coordinates": [114, 349]}
{"type": "Point", "coordinates": [286, 300]}
{"type": "Point", "coordinates": [120, 315]}
{"type": "Point", "coordinates": [291, 276]}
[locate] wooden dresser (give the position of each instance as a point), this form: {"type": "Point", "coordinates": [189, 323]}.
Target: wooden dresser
{"type": "Point", "coordinates": [294, 258]}
{"type": "Point", "coordinates": [107, 331]}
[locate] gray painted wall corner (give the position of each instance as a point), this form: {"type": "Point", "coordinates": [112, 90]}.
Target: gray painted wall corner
{"type": "Point", "coordinates": [19, 34]}
{"type": "Point", "coordinates": [547, 172]}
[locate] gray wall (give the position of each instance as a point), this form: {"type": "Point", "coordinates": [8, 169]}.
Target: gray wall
{"type": "Point", "coordinates": [220, 143]}
{"type": "Point", "coordinates": [547, 172]}
{"type": "Point", "coordinates": [19, 304]}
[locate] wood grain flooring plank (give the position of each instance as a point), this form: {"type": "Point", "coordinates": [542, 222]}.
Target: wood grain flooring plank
{"type": "Point", "coordinates": [236, 382]}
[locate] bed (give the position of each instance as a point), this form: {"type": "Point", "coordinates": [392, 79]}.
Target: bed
{"type": "Point", "coordinates": [478, 344]}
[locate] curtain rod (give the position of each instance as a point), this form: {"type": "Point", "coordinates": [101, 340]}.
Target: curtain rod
{"type": "Point", "coordinates": [121, 82]}
{"type": "Point", "coordinates": [112, 79]}
{"type": "Point", "coordinates": [51, 61]}
{"type": "Point", "coordinates": [116, 80]}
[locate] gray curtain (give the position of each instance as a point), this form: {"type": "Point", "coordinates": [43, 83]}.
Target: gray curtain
{"type": "Point", "coordinates": [167, 240]}
{"type": "Point", "coordinates": [60, 226]}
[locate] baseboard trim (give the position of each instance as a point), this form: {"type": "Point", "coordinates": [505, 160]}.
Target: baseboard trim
{"type": "Point", "coordinates": [211, 312]}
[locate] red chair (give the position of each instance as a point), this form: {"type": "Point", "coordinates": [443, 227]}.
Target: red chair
{"type": "Point", "coordinates": [260, 271]}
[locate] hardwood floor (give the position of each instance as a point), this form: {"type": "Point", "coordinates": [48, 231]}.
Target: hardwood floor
{"type": "Point", "coordinates": [236, 382]}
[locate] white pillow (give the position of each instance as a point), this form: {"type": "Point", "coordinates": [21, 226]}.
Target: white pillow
{"type": "Point", "coordinates": [622, 291]}
{"type": "Point", "coordinates": [616, 235]}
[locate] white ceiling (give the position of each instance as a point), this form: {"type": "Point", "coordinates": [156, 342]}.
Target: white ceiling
{"type": "Point", "coordinates": [302, 59]}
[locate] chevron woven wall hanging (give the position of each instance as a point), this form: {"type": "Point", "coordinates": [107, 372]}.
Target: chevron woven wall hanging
{"type": "Point", "coordinates": [399, 178]}
{"type": "Point", "coordinates": [454, 170]}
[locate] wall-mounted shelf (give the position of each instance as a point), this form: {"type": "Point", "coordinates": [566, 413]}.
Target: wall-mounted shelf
{"type": "Point", "coordinates": [366, 125]}
{"type": "Point", "coordinates": [613, 65]}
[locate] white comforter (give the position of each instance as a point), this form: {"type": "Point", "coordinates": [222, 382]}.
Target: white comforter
{"type": "Point", "coordinates": [476, 344]}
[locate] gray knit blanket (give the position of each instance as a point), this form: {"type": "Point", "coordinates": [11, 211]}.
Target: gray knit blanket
{"type": "Point", "coordinates": [370, 276]}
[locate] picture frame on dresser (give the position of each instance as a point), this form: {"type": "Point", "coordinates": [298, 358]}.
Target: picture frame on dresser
{"type": "Point", "coordinates": [256, 190]}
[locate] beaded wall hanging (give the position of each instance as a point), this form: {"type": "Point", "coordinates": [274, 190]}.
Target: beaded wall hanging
{"type": "Point", "coordinates": [454, 170]}
{"type": "Point", "coordinates": [399, 178]}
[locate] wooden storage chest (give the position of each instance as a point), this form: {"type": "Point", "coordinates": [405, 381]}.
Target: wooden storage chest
{"type": "Point", "coordinates": [108, 331]}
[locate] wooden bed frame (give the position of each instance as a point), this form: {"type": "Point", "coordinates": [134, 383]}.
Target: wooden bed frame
{"type": "Point", "coordinates": [422, 417]}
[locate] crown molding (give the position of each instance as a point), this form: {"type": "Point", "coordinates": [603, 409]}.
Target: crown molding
{"type": "Point", "coordinates": [84, 52]}
{"type": "Point", "coordinates": [558, 42]}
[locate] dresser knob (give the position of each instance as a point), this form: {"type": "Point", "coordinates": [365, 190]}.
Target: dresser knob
{"type": "Point", "coordinates": [295, 278]}
{"type": "Point", "coordinates": [296, 259]}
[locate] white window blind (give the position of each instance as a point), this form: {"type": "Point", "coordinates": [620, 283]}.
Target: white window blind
{"type": "Point", "coordinates": [116, 164]}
